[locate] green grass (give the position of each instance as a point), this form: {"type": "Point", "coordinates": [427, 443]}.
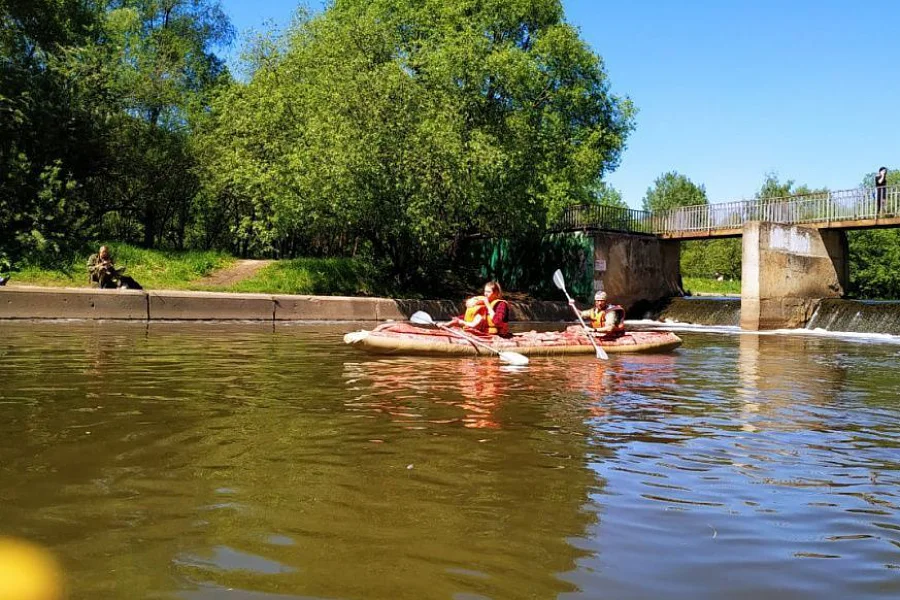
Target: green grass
{"type": "Point", "coordinates": [316, 276]}
{"type": "Point", "coordinates": [153, 269]}
{"type": "Point", "coordinates": [700, 285]}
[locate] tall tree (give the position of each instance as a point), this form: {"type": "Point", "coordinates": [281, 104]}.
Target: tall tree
{"type": "Point", "coordinates": [162, 70]}
{"type": "Point", "coordinates": [674, 190]}
{"type": "Point", "coordinates": [409, 125]}
{"type": "Point", "coordinates": [50, 132]}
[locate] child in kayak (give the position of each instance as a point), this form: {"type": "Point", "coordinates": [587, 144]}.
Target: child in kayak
{"type": "Point", "coordinates": [488, 314]}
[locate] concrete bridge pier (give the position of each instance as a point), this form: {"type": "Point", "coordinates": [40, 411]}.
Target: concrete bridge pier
{"type": "Point", "coordinates": [636, 270]}
{"type": "Point", "coordinates": [786, 270]}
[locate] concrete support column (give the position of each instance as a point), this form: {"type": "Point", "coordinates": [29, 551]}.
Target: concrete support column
{"type": "Point", "coordinates": [636, 269]}
{"type": "Point", "coordinates": [786, 270]}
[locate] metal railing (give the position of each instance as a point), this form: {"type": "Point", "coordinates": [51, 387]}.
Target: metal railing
{"type": "Point", "coordinates": [824, 207]}
{"type": "Point", "coordinates": [605, 217]}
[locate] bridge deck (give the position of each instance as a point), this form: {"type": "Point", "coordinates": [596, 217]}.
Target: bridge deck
{"type": "Point", "coordinates": [862, 208]}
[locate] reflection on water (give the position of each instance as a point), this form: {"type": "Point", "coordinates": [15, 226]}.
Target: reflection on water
{"type": "Point", "coordinates": [238, 461]}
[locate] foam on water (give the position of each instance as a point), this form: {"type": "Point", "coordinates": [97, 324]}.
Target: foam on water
{"type": "Point", "coordinates": [862, 337]}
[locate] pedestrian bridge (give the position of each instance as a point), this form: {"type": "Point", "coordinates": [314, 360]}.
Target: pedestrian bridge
{"type": "Point", "coordinates": [846, 209]}
{"type": "Point", "coordinates": [794, 249]}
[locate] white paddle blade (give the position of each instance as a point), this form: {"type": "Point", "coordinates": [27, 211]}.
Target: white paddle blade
{"type": "Point", "coordinates": [601, 353]}
{"type": "Point", "coordinates": [421, 318]}
{"type": "Point", "coordinates": [558, 280]}
{"type": "Point", "coordinates": [514, 358]}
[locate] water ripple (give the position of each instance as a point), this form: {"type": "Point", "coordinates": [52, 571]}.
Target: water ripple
{"type": "Point", "coordinates": [214, 460]}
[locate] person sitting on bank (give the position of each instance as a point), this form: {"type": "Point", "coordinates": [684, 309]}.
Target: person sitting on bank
{"type": "Point", "coordinates": [102, 270]}
{"type": "Point", "coordinates": [488, 314]}
{"type": "Point", "coordinates": [605, 318]}
{"type": "Point", "coordinates": [104, 273]}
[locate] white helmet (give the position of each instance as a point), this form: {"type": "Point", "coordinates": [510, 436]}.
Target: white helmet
{"type": "Point", "coordinates": [600, 296]}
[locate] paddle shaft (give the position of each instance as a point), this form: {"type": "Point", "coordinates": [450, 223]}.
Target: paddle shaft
{"type": "Point", "coordinates": [469, 338]}
{"type": "Point", "coordinates": [600, 353]}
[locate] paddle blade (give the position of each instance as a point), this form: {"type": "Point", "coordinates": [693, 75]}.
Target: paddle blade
{"type": "Point", "coordinates": [514, 358]}
{"type": "Point", "coordinates": [558, 280]}
{"type": "Point", "coordinates": [421, 318]}
{"type": "Point", "coordinates": [601, 353]}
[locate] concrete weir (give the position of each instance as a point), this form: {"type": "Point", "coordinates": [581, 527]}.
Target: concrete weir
{"type": "Point", "coordinates": [164, 305]}
{"type": "Point", "coordinates": [787, 270]}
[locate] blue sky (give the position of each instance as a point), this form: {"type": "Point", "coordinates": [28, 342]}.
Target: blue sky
{"type": "Point", "coordinates": [728, 91]}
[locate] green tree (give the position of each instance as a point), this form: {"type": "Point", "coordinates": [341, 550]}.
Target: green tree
{"type": "Point", "coordinates": [673, 190]}
{"type": "Point", "coordinates": [162, 71]}
{"type": "Point", "coordinates": [707, 258]}
{"type": "Point", "coordinates": [50, 131]}
{"type": "Point", "coordinates": [606, 195]}
{"type": "Point", "coordinates": [403, 127]}
{"type": "Point", "coordinates": [773, 188]}
{"type": "Point", "coordinates": [96, 103]}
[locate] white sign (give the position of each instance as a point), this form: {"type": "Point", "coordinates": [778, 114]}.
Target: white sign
{"type": "Point", "coordinates": [599, 265]}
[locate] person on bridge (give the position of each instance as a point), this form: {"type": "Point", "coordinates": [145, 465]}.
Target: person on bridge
{"type": "Point", "coordinates": [605, 318]}
{"type": "Point", "coordinates": [881, 188]}
{"type": "Point", "coordinates": [488, 314]}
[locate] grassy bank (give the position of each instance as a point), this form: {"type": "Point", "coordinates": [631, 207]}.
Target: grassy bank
{"type": "Point", "coordinates": [316, 276]}
{"type": "Point", "coordinates": [158, 269]}
{"type": "Point", "coordinates": [700, 285]}
{"type": "Point", "coordinates": [153, 269]}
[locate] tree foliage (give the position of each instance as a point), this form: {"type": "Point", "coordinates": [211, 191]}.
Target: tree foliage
{"type": "Point", "coordinates": [604, 194]}
{"type": "Point", "coordinates": [673, 190]}
{"type": "Point", "coordinates": [95, 103]}
{"type": "Point", "coordinates": [773, 188]}
{"type": "Point", "coordinates": [404, 127]}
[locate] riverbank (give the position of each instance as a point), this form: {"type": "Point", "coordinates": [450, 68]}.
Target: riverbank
{"type": "Point", "coordinates": [21, 302]}
{"type": "Point", "coordinates": [211, 271]}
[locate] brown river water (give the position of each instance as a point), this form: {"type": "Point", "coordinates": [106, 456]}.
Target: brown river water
{"type": "Point", "coordinates": [249, 462]}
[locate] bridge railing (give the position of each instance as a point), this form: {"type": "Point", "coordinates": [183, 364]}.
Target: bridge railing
{"type": "Point", "coordinates": [602, 216]}
{"type": "Point", "coordinates": [843, 205]}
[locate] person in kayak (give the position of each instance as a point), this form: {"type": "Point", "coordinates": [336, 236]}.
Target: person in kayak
{"type": "Point", "coordinates": [605, 318]}
{"type": "Point", "coordinates": [488, 314]}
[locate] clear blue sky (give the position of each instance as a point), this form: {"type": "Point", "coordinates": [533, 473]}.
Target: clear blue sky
{"type": "Point", "coordinates": [728, 91]}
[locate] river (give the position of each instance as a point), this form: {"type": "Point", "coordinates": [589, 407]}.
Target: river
{"type": "Point", "coordinates": [249, 462]}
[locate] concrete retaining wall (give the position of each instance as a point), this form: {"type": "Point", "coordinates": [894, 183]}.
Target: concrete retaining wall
{"type": "Point", "coordinates": [66, 303]}
{"type": "Point", "coordinates": [79, 303]}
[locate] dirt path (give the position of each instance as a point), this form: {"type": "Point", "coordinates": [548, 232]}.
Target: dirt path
{"type": "Point", "coordinates": [241, 270]}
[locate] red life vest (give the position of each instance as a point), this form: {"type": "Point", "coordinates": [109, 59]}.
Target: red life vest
{"type": "Point", "coordinates": [598, 319]}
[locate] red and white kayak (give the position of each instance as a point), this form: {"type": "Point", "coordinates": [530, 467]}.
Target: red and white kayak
{"type": "Point", "coordinates": [405, 338]}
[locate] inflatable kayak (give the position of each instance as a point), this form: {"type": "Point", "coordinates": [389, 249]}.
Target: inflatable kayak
{"type": "Point", "coordinates": [404, 338]}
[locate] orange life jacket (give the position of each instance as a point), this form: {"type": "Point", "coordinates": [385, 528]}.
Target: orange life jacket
{"type": "Point", "coordinates": [598, 319]}
{"type": "Point", "coordinates": [501, 329]}
{"type": "Point", "coordinates": [475, 306]}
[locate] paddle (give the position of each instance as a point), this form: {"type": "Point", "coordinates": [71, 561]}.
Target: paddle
{"type": "Point", "coordinates": [561, 284]}
{"type": "Point", "coordinates": [513, 358]}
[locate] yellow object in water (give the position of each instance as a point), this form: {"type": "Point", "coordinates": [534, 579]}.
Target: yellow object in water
{"type": "Point", "coordinates": [28, 572]}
